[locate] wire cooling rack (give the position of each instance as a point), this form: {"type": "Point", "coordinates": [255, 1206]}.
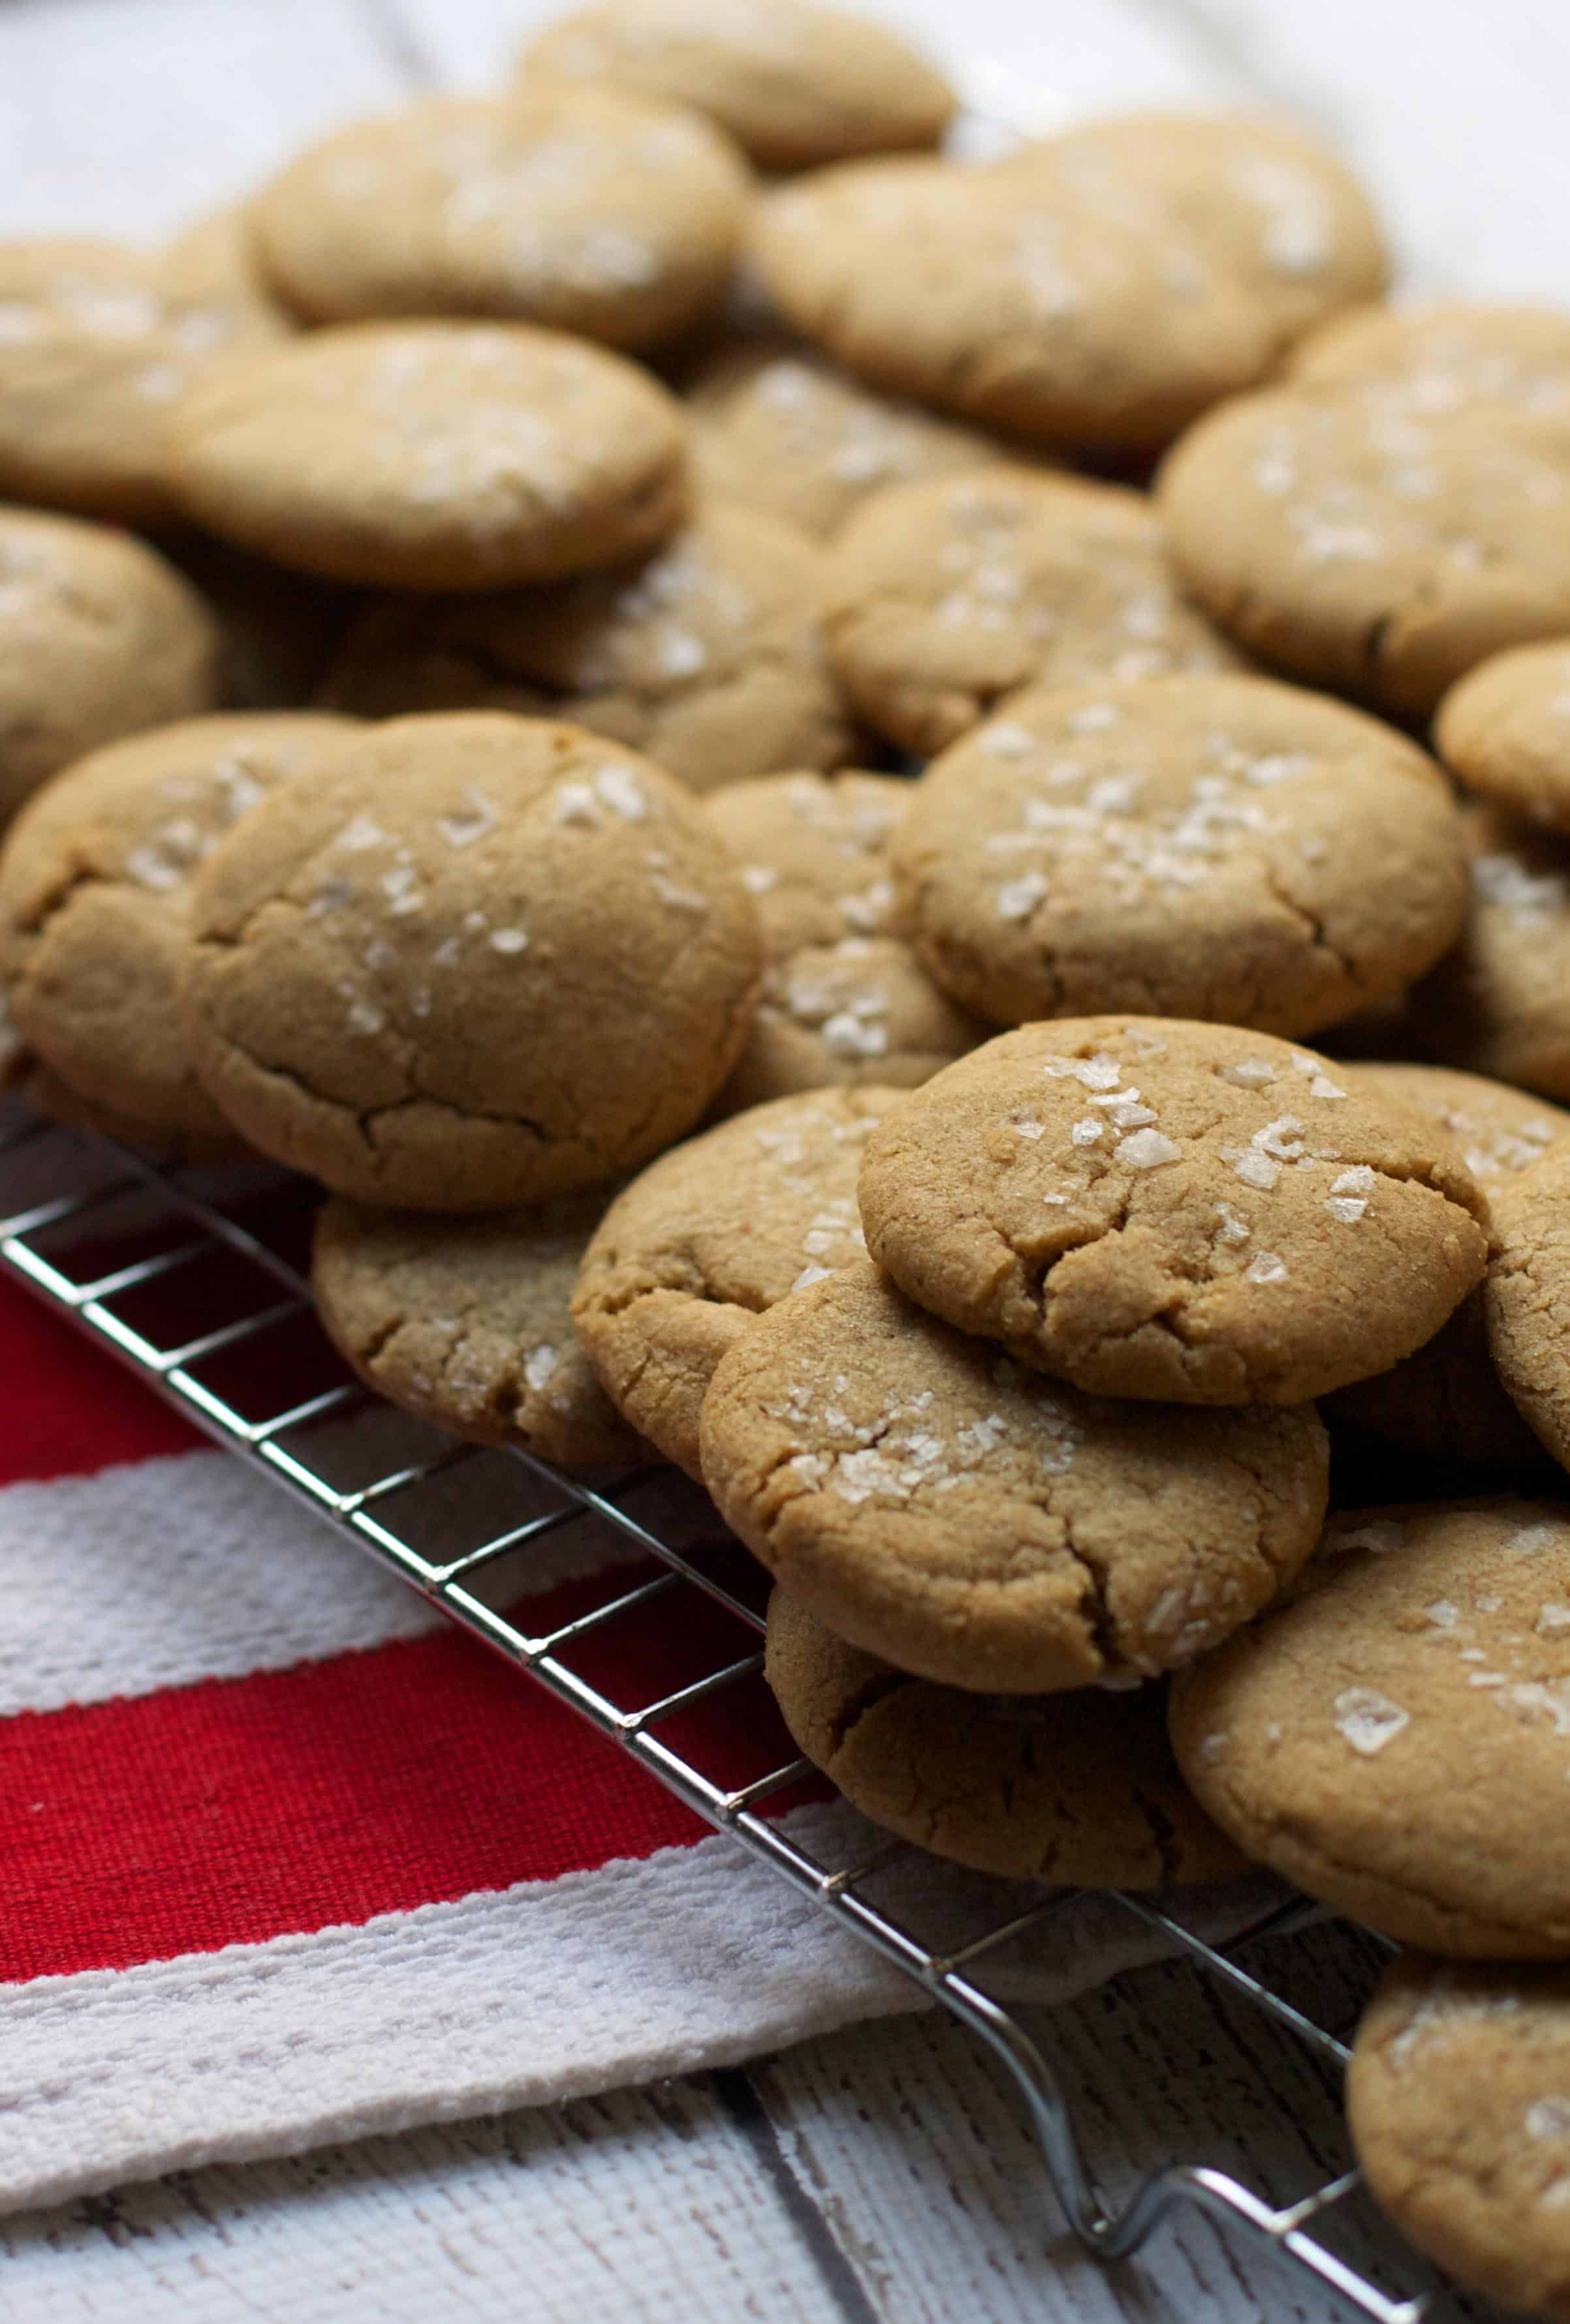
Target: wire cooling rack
{"type": "Point", "coordinates": [195, 1277]}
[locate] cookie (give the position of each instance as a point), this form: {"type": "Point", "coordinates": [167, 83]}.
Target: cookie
{"type": "Point", "coordinates": [1076, 1789]}
{"type": "Point", "coordinates": [216, 258]}
{"type": "Point", "coordinates": [1458, 2100]}
{"type": "Point", "coordinates": [1220, 847]}
{"type": "Point", "coordinates": [864, 1010]}
{"type": "Point", "coordinates": [814, 853]}
{"type": "Point", "coordinates": [1505, 730]}
{"type": "Point", "coordinates": [1499, 1002]}
{"type": "Point", "coordinates": [1393, 1740]}
{"type": "Point", "coordinates": [706, 1239]}
{"type": "Point", "coordinates": [944, 596]}
{"type": "Point", "coordinates": [465, 1323]}
{"type": "Point", "coordinates": [1392, 516]}
{"type": "Point", "coordinates": [782, 430]}
{"type": "Point", "coordinates": [1154, 1208]}
{"type": "Point", "coordinates": [97, 345]}
{"type": "Point", "coordinates": [794, 84]}
{"type": "Point", "coordinates": [585, 211]}
{"type": "Point", "coordinates": [432, 455]}
{"type": "Point", "coordinates": [960, 1517]}
{"type": "Point", "coordinates": [708, 655]}
{"type": "Point", "coordinates": [98, 637]}
{"type": "Point", "coordinates": [1099, 290]}
{"type": "Point", "coordinates": [1524, 1298]}
{"type": "Point", "coordinates": [47, 1094]}
{"type": "Point", "coordinates": [95, 898]}
{"type": "Point", "coordinates": [474, 962]}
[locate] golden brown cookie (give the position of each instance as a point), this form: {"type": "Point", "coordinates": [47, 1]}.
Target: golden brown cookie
{"type": "Point", "coordinates": [98, 637]}
{"type": "Point", "coordinates": [708, 1237]}
{"type": "Point", "coordinates": [777, 427]}
{"type": "Point", "coordinates": [1499, 1002]}
{"type": "Point", "coordinates": [708, 655]}
{"type": "Point", "coordinates": [97, 345]}
{"type": "Point", "coordinates": [586, 211]}
{"type": "Point", "coordinates": [1154, 1208]}
{"type": "Point", "coordinates": [477, 961]}
{"type": "Point", "coordinates": [432, 455]}
{"type": "Point", "coordinates": [1525, 1298]}
{"type": "Point", "coordinates": [946, 595]}
{"type": "Point", "coordinates": [95, 902]}
{"type": "Point", "coordinates": [965, 1520]}
{"type": "Point", "coordinates": [1100, 290]}
{"type": "Point", "coordinates": [1077, 1789]}
{"type": "Point", "coordinates": [814, 853]}
{"type": "Point", "coordinates": [792, 82]}
{"type": "Point", "coordinates": [1395, 1739]}
{"type": "Point", "coordinates": [465, 1323]}
{"type": "Point", "coordinates": [1220, 847]}
{"type": "Point", "coordinates": [1458, 2099]}
{"type": "Point", "coordinates": [1447, 352]}
{"type": "Point", "coordinates": [1505, 730]}
{"type": "Point", "coordinates": [216, 258]}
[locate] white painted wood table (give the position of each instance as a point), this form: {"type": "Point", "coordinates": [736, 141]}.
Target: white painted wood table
{"type": "Point", "coordinates": [887, 2175]}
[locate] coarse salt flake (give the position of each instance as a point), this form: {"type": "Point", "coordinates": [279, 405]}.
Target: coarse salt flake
{"type": "Point", "coordinates": [1146, 1149]}
{"type": "Point", "coordinates": [1368, 1719]}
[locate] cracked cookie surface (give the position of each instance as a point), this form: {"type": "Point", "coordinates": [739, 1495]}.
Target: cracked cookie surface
{"type": "Point", "coordinates": [437, 975]}
{"type": "Point", "coordinates": [706, 1239]}
{"type": "Point", "coordinates": [1216, 847]}
{"type": "Point", "coordinates": [968, 1521]}
{"type": "Point", "coordinates": [1524, 1298]}
{"type": "Point", "coordinates": [95, 904]}
{"type": "Point", "coordinates": [708, 655]}
{"type": "Point", "coordinates": [465, 1323]}
{"type": "Point", "coordinates": [1505, 730]}
{"type": "Point", "coordinates": [1190, 1212]}
{"type": "Point", "coordinates": [1077, 1789]}
{"type": "Point", "coordinates": [1458, 2100]}
{"type": "Point", "coordinates": [942, 597]}
{"type": "Point", "coordinates": [1396, 1738]}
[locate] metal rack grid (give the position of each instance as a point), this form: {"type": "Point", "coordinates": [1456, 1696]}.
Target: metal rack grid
{"type": "Point", "coordinates": [193, 1277]}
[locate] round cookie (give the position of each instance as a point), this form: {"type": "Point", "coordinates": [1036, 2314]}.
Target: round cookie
{"type": "Point", "coordinates": [49, 1095]}
{"type": "Point", "coordinates": [1076, 1789]}
{"type": "Point", "coordinates": [477, 961]}
{"type": "Point", "coordinates": [1393, 1740]}
{"type": "Point", "coordinates": [98, 345]}
{"type": "Point", "coordinates": [1505, 730]}
{"type": "Point", "coordinates": [1153, 1208]}
{"type": "Point", "coordinates": [708, 655]}
{"type": "Point", "coordinates": [943, 596]}
{"type": "Point", "coordinates": [1524, 1298]}
{"type": "Point", "coordinates": [793, 83]}
{"type": "Point", "coordinates": [1100, 290]}
{"type": "Point", "coordinates": [216, 257]}
{"type": "Point", "coordinates": [1446, 353]}
{"type": "Point", "coordinates": [706, 1239]}
{"type": "Point", "coordinates": [1445, 1399]}
{"type": "Point", "coordinates": [98, 637]}
{"type": "Point", "coordinates": [465, 1323]}
{"type": "Point", "coordinates": [1219, 847]}
{"type": "Point", "coordinates": [432, 455]}
{"type": "Point", "coordinates": [782, 430]}
{"type": "Point", "coordinates": [864, 1010]}
{"type": "Point", "coordinates": [814, 853]}
{"type": "Point", "coordinates": [1458, 2100]}
{"type": "Point", "coordinates": [94, 898]}
{"type": "Point", "coordinates": [589, 212]}
{"type": "Point", "coordinates": [939, 1507]}
{"type": "Point", "coordinates": [1499, 1002]}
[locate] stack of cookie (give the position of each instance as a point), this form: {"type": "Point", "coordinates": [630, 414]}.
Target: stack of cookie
{"type": "Point", "coordinates": [601, 671]}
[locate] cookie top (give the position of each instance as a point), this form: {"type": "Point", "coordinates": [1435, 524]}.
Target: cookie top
{"type": "Point", "coordinates": [1499, 1002]}
{"type": "Point", "coordinates": [432, 455]}
{"type": "Point", "coordinates": [1099, 290]}
{"type": "Point", "coordinates": [95, 900]}
{"type": "Point", "coordinates": [1447, 352]}
{"type": "Point", "coordinates": [793, 83]}
{"type": "Point", "coordinates": [1499, 1131]}
{"type": "Point", "coordinates": [98, 342]}
{"type": "Point", "coordinates": [708, 655]}
{"type": "Point", "coordinates": [1458, 2100]}
{"type": "Point", "coordinates": [590, 212]}
{"type": "Point", "coordinates": [814, 852]}
{"type": "Point", "coordinates": [1524, 1297]}
{"type": "Point", "coordinates": [1506, 731]}
{"type": "Point", "coordinates": [778, 427]}
{"type": "Point", "coordinates": [968, 1521]}
{"type": "Point", "coordinates": [1374, 535]}
{"type": "Point", "coordinates": [708, 1237]}
{"type": "Point", "coordinates": [465, 1323]}
{"type": "Point", "coordinates": [1394, 1738]}
{"type": "Point", "coordinates": [1220, 847]}
{"type": "Point", "coordinates": [943, 596]}
{"type": "Point", "coordinates": [1154, 1208]}
{"type": "Point", "coordinates": [435, 975]}
{"type": "Point", "coordinates": [864, 1010]}
{"type": "Point", "coordinates": [1076, 1789]}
